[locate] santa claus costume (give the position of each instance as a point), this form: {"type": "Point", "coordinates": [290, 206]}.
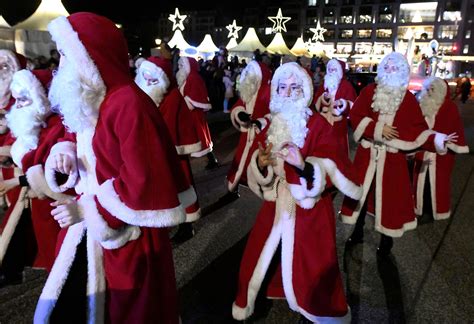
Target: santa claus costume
{"type": "Point", "coordinates": [12, 62]}
{"type": "Point", "coordinates": [194, 91]}
{"type": "Point", "coordinates": [155, 77]}
{"type": "Point", "coordinates": [381, 162]}
{"type": "Point", "coordinates": [442, 116]}
{"type": "Point", "coordinates": [297, 212]}
{"type": "Point", "coordinates": [115, 262]}
{"type": "Point", "coordinates": [247, 116]}
{"type": "Point", "coordinates": [335, 98]}
{"type": "Point", "coordinates": [36, 130]}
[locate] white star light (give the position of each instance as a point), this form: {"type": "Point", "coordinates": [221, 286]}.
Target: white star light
{"type": "Point", "coordinates": [318, 33]}
{"type": "Point", "coordinates": [177, 20]}
{"type": "Point", "coordinates": [233, 30]}
{"type": "Point", "coordinates": [279, 22]}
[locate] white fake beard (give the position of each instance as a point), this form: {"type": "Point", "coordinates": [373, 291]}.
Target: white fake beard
{"type": "Point", "coordinates": [289, 119]}
{"type": "Point", "coordinates": [331, 83]}
{"type": "Point", "coordinates": [430, 102]}
{"type": "Point", "coordinates": [181, 77]}
{"type": "Point", "coordinates": [77, 103]}
{"type": "Point", "coordinates": [155, 92]}
{"type": "Point", "coordinates": [5, 81]}
{"type": "Point", "coordinates": [25, 124]}
{"type": "Point", "coordinates": [248, 88]}
{"type": "Point", "coordinates": [389, 94]}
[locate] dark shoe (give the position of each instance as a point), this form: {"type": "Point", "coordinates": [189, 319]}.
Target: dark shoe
{"type": "Point", "coordinates": [385, 246]}
{"type": "Point", "coordinates": [212, 164]}
{"type": "Point", "coordinates": [357, 237]}
{"type": "Point", "coordinates": [229, 197]}
{"type": "Point", "coordinates": [185, 232]}
{"type": "Point", "coordinates": [12, 279]}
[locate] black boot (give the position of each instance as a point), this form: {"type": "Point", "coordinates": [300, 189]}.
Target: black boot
{"type": "Point", "coordinates": [229, 197]}
{"type": "Point", "coordinates": [357, 236]}
{"type": "Point", "coordinates": [385, 246]}
{"type": "Point", "coordinates": [213, 163]}
{"type": "Point", "coordinates": [185, 232]}
{"type": "Point", "coordinates": [10, 279]}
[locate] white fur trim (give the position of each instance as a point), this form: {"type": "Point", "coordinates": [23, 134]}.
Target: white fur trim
{"type": "Point", "coordinates": [458, 149]}
{"type": "Point", "coordinates": [194, 104]}
{"type": "Point", "coordinates": [442, 216]}
{"type": "Point", "coordinates": [240, 169]}
{"type": "Point", "coordinates": [420, 184]}
{"type": "Point", "coordinates": [307, 198]}
{"type": "Point", "coordinates": [410, 146]}
{"type": "Point", "coordinates": [12, 222]}
{"type": "Point", "coordinates": [67, 39]}
{"type": "Point", "coordinates": [234, 117]}
{"type": "Point", "coordinates": [203, 152]}
{"type": "Point", "coordinates": [108, 237]}
{"type": "Point", "coordinates": [359, 131]}
{"type": "Point", "coordinates": [187, 197]}
{"type": "Point", "coordinates": [5, 150]}
{"type": "Point", "coordinates": [68, 148]}
{"type": "Point", "coordinates": [264, 122]}
{"type": "Point", "coordinates": [378, 131]}
{"type": "Point", "coordinates": [37, 182]}
{"type": "Point", "coordinates": [111, 201]}
{"type": "Point", "coordinates": [440, 144]}
{"type": "Point", "coordinates": [300, 74]}
{"type": "Point", "coordinates": [192, 217]}
{"type": "Point", "coordinates": [186, 65]}
{"type": "Point", "coordinates": [256, 181]}
{"type": "Point", "coordinates": [188, 148]}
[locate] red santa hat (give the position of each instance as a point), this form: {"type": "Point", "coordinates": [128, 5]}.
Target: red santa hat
{"type": "Point", "coordinates": [161, 67]}
{"type": "Point", "coordinates": [35, 84]}
{"type": "Point", "coordinates": [194, 89]}
{"type": "Point", "coordinates": [293, 68]}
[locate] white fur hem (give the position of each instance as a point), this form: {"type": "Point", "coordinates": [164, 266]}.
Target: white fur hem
{"type": "Point", "coordinates": [378, 131]}
{"type": "Point", "coordinates": [37, 182]}
{"type": "Point", "coordinates": [111, 201]}
{"type": "Point", "coordinates": [67, 148]}
{"type": "Point", "coordinates": [187, 197]}
{"type": "Point", "coordinates": [347, 219]}
{"type": "Point", "coordinates": [458, 149]}
{"type": "Point", "coordinates": [5, 150]}
{"type": "Point", "coordinates": [440, 145]}
{"type": "Point", "coordinates": [240, 314]}
{"type": "Point", "coordinates": [203, 152]}
{"type": "Point", "coordinates": [194, 104]}
{"type": "Point", "coordinates": [441, 216]}
{"type": "Point", "coordinates": [396, 232]}
{"type": "Point", "coordinates": [188, 148]}
{"type": "Point", "coordinates": [346, 319]}
{"type": "Point", "coordinates": [359, 131]}
{"type": "Point", "coordinates": [192, 217]}
{"type": "Point", "coordinates": [108, 237]}
{"type": "Point", "coordinates": [234, 117]}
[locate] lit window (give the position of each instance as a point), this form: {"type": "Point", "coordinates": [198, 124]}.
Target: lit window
{"type": "Point", "coordinates": [328, 16]}
{"type": "Point", "coordinates": [345, 16]}
{"type": "Point", "coordinates": [468, 34]}
{"type": "Point", "coordinates": [311, 3]}
{"type": "Point", "coordinates": [365, 15]}
{"type": "Point", "coordinates": [448, 32]}
{"type": "Point", "coordinates": [384, 33]}
{"type": "Point", "coordinates": [465, 49]}
{"type": "Point", "coordinates": [385, 14]}
{"type": "Point", "coordinates": [419, 32]}
{"type": "Point", "coordinates": [364, 33]}
{"type": "Point", "coordinates": [452, 16]}
{"type": "Point", "coordinates": [346, 33]}
{"type": "Point", "coordinates": [418, 12]}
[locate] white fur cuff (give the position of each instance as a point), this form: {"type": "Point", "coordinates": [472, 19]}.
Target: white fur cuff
{"type": "Point", "coordinates": [458, 149]}
{"type": "Point", "coordinates": [108, 237]}
{"type": "Point", "coordinates": [378, 131]}
{"type": "Point", "coordinates": [188, 148]}
{"type": "Point", "coordinates": [194, 104]}
{"type": "Point", "coordinates": [261, 179]}
{"type": "Point", "coordinates": [234, 117]}
{"type": "Point", "coordinates": [305, 197]}
{"type": "Point", "coordinates": [440, 143]}
{"type": "Point", "coordinates": [67, 148]}
{"type": "Point", "coordinates": [5, 150]}
{"type": "Point", "coordinates": [359, 131]}
{"type": "Point", "coordinates": [37, 182]}
{"type": "Point", "coordinates": [110, 200]}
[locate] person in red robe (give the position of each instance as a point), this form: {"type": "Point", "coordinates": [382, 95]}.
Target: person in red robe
{"type": "Point", "coordinates": [297, 162]}
{"type": "Point", "coordinates": [335, 98]}
{"type": "Point", "coordinates": [247, 116]}
{"type": "Point", "coordinates": [155, 77]}
{"type": "Point", "coordinates": [193, 89]}
{"type": "Point", "coordinates": [388, 124]}
{"type": "Point", "coordinates": [433, 170]}
{"type": "Point", "coordinates": [114, 262]}
{"type": "Point", "coordinates": [30, 234]}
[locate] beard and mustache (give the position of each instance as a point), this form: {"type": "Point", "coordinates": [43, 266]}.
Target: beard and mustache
{"type": "Point", "coordinates": [74, 99]}
{"type": "Point", "coordinates": [431, 101]}
{"type": "Point", "coordinates": [289, 119]}
{"type": "Point", "coordinates": [5, 81]}
{"type": "Point", "coordinates": [248, 87]}
{"type": "Point", "coordinates": [154, 91]}
{"type": "Point", "coordinates": [389, 93]}
{"type": "Point", "coordinates": [181, 76]}
{"type": "Point", "coordinates": [331, 82]}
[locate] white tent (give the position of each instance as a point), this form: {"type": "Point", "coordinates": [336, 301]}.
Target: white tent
{"type": "Point", "coordinates": [231, 44]}
{"type": "Point", "coordinates": [207, 46]}
{"type": "Point", "coordinates": [3, 22]}
{"type": "Point", "coordinates": [278, 46]}
{"type": "Point", "coordinates": [299, 49]}
{"type": "Point", "coordinates": [249, 43]}
{"type": "Point", "coordinates": [178, 41]}
{"type": "Point", "coordinates": [47, 11]}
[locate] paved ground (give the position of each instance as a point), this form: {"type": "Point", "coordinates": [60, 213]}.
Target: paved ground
{"type": "Point", "coordinates": [426, 280]}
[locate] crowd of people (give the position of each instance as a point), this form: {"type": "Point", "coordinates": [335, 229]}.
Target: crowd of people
{"type": "Point", "coordinates": [96, 168]}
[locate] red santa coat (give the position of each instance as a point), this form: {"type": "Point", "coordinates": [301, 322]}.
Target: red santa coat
{"type": "Point", "coordinates": [344, 91]}
{"type": "Point", "coordinates": [301, 217]}
{"type": "Point", "coordinates": [440, 166]}
{"type": "Point", "coordinates": [194, 92]}
{"type": "Point", "coordinates": [258, 107]}
{"type": "Point", "coordinates": [129, 187]}
{"type": "Point", "coordinates": [386, 162]}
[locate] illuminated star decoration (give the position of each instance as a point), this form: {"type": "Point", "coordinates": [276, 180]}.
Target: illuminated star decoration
{"type": "Point", "coordinates": [279, 22]}
{"type": "Point", "coordinates": [177, 20]}
{"type": "Point", "coordinates": [233, 30]}
{"type": "Point", "coordinates": [318, 33]}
